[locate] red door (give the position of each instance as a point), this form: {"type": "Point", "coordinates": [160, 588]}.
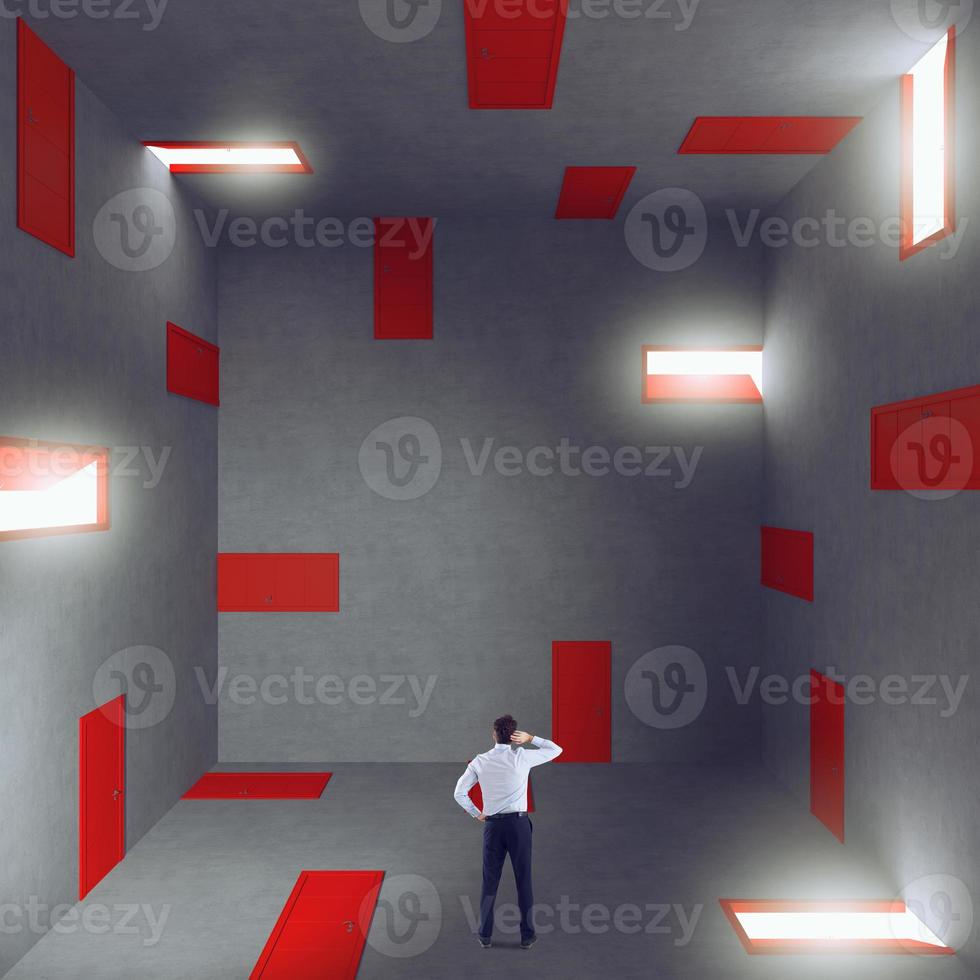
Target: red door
{"type": "Point", "coordinates": [279, 582]}
{"type": "Point", "coordinates": [259, 786]}
{"type": "Point", "coordinates": [45, 143]}
{"type": "Point", "coordinates": [193, 366]}
{"type": "Point", "coordinates": [827, 753]}
{"type": "Point", "coordinates": [322, 929]}
{"type": "Point", "coordinates": [102, 807]}
{"type": "Point", "coordinates": [403, 278]}
{"type": "Point", "coordinates": [787, 561]}
{"type": "Point", "coordinates": [581, 682]}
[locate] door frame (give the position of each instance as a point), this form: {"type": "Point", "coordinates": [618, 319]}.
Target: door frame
{"type": "Point", "coordinates": [115, 712]}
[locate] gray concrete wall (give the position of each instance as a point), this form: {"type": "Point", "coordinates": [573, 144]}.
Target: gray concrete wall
{"type": "Point", "coordinates": [896, 576]}
{"type": "Point", "coordinates": [538, 329]}
{"type": "Point", "coordinates": [83, 360]}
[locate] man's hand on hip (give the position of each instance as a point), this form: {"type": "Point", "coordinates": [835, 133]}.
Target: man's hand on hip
{"type": "Point", "coordinates": [480, 817]}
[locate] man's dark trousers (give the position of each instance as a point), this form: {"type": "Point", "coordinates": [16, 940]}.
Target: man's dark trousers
{"type": "Point", "coordinates": [503, 835]}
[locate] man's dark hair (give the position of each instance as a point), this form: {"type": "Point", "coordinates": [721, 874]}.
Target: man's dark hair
{"type": "Point", "coordinates": [503, 728]}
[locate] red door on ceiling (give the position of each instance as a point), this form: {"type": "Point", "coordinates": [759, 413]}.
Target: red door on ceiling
{"type": "Point", "coordinates": [827, 753]}
{"type": "Point", "coordinates": [581, 696]}
{"type": "Point", "coordinates": [322, 929]}
{"type": "Point", "coordinates": [102, 807]}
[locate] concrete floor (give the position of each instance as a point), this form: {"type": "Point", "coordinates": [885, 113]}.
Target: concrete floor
{"type": "Point", "coordinates": [606, 836]}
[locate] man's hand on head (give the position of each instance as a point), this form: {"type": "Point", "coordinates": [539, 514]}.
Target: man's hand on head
{"type": "Point", "coordinates": [521, 738]}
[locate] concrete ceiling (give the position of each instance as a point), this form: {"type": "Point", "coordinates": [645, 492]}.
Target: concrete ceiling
{"type": "Point", "coordinates": [387, 126]}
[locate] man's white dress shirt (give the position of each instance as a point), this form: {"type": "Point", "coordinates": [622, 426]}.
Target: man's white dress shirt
{"type": "Point", "coordinates": [502, 774]}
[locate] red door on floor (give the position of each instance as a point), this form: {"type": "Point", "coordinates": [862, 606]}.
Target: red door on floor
{"type": "Point", "coordinates": [322, 928]}
{"type": "Point", "coordinates": [581, 683]}
{"type": "Point", "coordinates": [102, 807]}
{"type": "Point", "coordinates": [827, 753]}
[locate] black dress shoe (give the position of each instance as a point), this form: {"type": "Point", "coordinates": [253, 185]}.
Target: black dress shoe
{"type": "Point", "coordinates": [528, 943]}
{"type": "Point", "coordinates": [485, 943]}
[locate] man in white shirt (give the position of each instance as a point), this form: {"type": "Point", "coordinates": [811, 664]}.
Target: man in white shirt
{"type": "Point", "coordinates": [502, 774]}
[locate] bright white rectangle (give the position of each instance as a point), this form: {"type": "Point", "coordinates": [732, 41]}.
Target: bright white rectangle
{"type": "Point", "coordinates": [227, 156]}
{"type": "Point", "coordinates": [837, 926]}
{"type": "Point", "coordinates": [929, 143]}
{"type": "Point", "coordinates": [707, 362]}
{"type": "Point", "coordinates": [71, 502]}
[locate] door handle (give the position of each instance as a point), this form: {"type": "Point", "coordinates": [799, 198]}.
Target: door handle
{"type": "Point", "coordinates": [116, 793]}
{"type": "Point", "coordinates": [350, 925]}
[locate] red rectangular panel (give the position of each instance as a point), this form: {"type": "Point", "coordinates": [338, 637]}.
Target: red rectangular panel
{"type": "Point", "coordinates": [297, 582]}
{"type": "Point", "coordinates": [192, 366]}
{"type": "Point", "coordinates": [260, 584]}
{"type": "Point", "coordinates": [45, 143]}
{"type": "Point", "coordinates": [101, 797]}
{"type": "Point", "coordinates": [512, 50]}
{"type": "Point", "coordinates": [787, 561]}
{"type": "Point", "coordinates": [403, 278]}
{"type": "Point", "coordinates": [321, 931]}
{"type": "Point", "coordinates": [259, 786]}
{"type": "Point", "coordinates": [927, 443]}
{"type": "Point", "coordinates": [232, 582]}
{"type": "Point", "coordinates": [507, 44]}
{"type": "Point", "coordinates": [767, 134]}
{"type": "Point", "coordinates": [476, 796]}
{"type": "Point", "coordinates": [581, 696]}
{"type": "Point", "coordinates": [593, 192]}
{"type": "Point", "coordinates": [827, 753]}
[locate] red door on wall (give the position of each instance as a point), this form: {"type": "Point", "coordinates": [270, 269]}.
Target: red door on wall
{"type": "Point", "coordinates": [193, 366]}
{"type": "Point", "coordinates": [403, 278]}
{"type": "Point", "coordinates": [278, 582]}
{"type": "Point", "coordinates": [581, 695]}
{"type": "Point", "coordinates": [45, 143]}
{"type": "Point", "coordinates": [827, 753]}
{"type": "Point", "coordinates": [102, 808]}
